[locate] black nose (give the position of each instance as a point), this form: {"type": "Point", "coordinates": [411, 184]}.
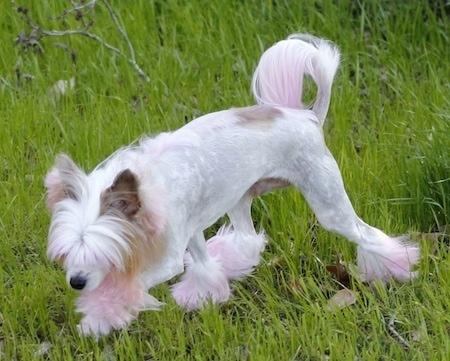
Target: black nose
{"type": "Point", "coordinates": [77, 282]}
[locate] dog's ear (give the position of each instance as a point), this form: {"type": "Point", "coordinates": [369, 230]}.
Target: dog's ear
{"type": "Point", "coordinates": [65, 180]}
{"type": "Point", "coordinates": [144, 205]}
{"type": "Point", "coordinates": [123, 195]}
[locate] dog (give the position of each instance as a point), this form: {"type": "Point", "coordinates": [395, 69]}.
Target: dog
{"type": "Point", "coordinates": [138, 218]}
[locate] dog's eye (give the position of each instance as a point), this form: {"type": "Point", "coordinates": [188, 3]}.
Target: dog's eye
{"type": "Point", "coordinates": [119, 204]}
{"type": "Point", "coordinates": [126, 207]}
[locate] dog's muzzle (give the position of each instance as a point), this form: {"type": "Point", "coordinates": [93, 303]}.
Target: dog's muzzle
{"type": "Point", "coordinates": [77, 282]}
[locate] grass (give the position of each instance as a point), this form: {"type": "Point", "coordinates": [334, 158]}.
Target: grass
{"type": "Point", "coordinates": [388, 129]}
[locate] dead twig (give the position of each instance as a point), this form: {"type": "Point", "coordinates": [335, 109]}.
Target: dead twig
{"type": "Point", "coordinates": [81, 10]}
{"type": "Point", "coordinates": [132, 59]}
{"type": "Point", "coordinates": [84, 32]}
{"type": "Point", "coordinates": [77, 8]}
{"type": "Point", "coordinates": [395, 334]}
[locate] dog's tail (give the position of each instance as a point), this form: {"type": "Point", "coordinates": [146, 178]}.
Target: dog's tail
{"type": "Point", "coordinates": [278, 79]}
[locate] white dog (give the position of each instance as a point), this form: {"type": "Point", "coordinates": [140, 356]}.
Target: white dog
{"type": "Point", "coordinates": [125, 227]}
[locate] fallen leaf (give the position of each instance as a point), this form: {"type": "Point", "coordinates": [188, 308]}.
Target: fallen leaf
{"type": "Point", "coordinates": [420, 334]}
{"type": "Point", "coordinates": [339, 271]}
{"type": "Point", "coordinates": [108, 353]}
{"type": "Point", "coordinates": [276, 262]}
{"type": "Point", "coordinates": [433, 239]}
{"type": "Point", "coordinates": [60, 88]}
{"type": "Point", "coordinates": [441, 233]}
{"type": "Point", "coordinates": [43, 349]}
{"type": "Point", "coordinates": [341, 299]}
{"type": "Point", "coordinates": [296, 286]}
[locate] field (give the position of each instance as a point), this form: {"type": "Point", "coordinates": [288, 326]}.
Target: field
{"type": "Point", "coordinates": [388, 127]}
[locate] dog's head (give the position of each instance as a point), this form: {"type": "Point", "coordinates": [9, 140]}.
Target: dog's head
{"type": "Point", "coordinates": [101, 223]}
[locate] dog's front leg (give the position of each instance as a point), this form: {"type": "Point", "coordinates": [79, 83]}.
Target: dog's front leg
{"type": "Point", "coordinates": [204, 279]}
{"type": "Point", "coordinates": [168, 267]}
{"type": "Point", "coordinates": [114, 304]}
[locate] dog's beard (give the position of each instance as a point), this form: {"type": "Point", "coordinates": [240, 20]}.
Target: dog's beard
{"type": "Point", "coordinates": [87, 252]}
{"type": "Point", "coordinates": [109, 244]}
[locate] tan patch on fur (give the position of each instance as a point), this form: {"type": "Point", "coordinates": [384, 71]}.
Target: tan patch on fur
{"type": "Point", "coordinates": [123, 195]}
{"type": "Point", "coordinates": [266, 185]}
{"type": "Point", "coordinates": [122, 202]}
{"type": "Point", "coordinates": [60, 260]}
{"type": "Point", "coordinates": [258, 116]}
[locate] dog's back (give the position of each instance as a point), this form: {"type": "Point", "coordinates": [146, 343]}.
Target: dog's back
{"type": "Point", "coordinates": [278, 78]}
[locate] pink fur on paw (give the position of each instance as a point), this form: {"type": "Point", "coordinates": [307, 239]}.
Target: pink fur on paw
{"type": "Point", "coordinates": [394, 259]}
{"type": "Point", "coordinates": [202, 282]}
{"type": "Point", "coordinates": [113, 305]}
{"type": "Point", "coordinates": [239, 254]}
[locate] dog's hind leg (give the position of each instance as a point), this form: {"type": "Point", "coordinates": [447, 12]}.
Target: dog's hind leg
{"type": "Point", "coordinates": [379, 256]}
{"type": "Point", "coordinates": [204, 279]}
{"type": "Point", "coordinates": [238, 246]}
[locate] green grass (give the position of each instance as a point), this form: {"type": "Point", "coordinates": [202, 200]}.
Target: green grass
{"type": "Point", "coordinates": [387, 127]}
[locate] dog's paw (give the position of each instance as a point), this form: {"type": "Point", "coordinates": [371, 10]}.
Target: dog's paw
{"type": "Point", "coordinates": [394, 258]}
{"type": "Point", "coordinates": [91, 326]}
{"type": "Point", "coordinates": [113, 305]}
{"type": "Point", "coordinates": [238, 253]}
{"type": "Point", "coordinates": [200, 284]}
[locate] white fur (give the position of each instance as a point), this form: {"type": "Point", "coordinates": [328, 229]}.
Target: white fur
{"type": "Point", "coordinates": [155, 199]}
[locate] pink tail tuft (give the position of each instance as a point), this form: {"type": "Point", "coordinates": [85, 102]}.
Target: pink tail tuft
{"type": "Point", "coordinates": [278, 79]}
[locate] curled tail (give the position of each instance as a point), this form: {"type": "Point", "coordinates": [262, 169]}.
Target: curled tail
{"type": "Point", "coordinates": [278, 79]}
